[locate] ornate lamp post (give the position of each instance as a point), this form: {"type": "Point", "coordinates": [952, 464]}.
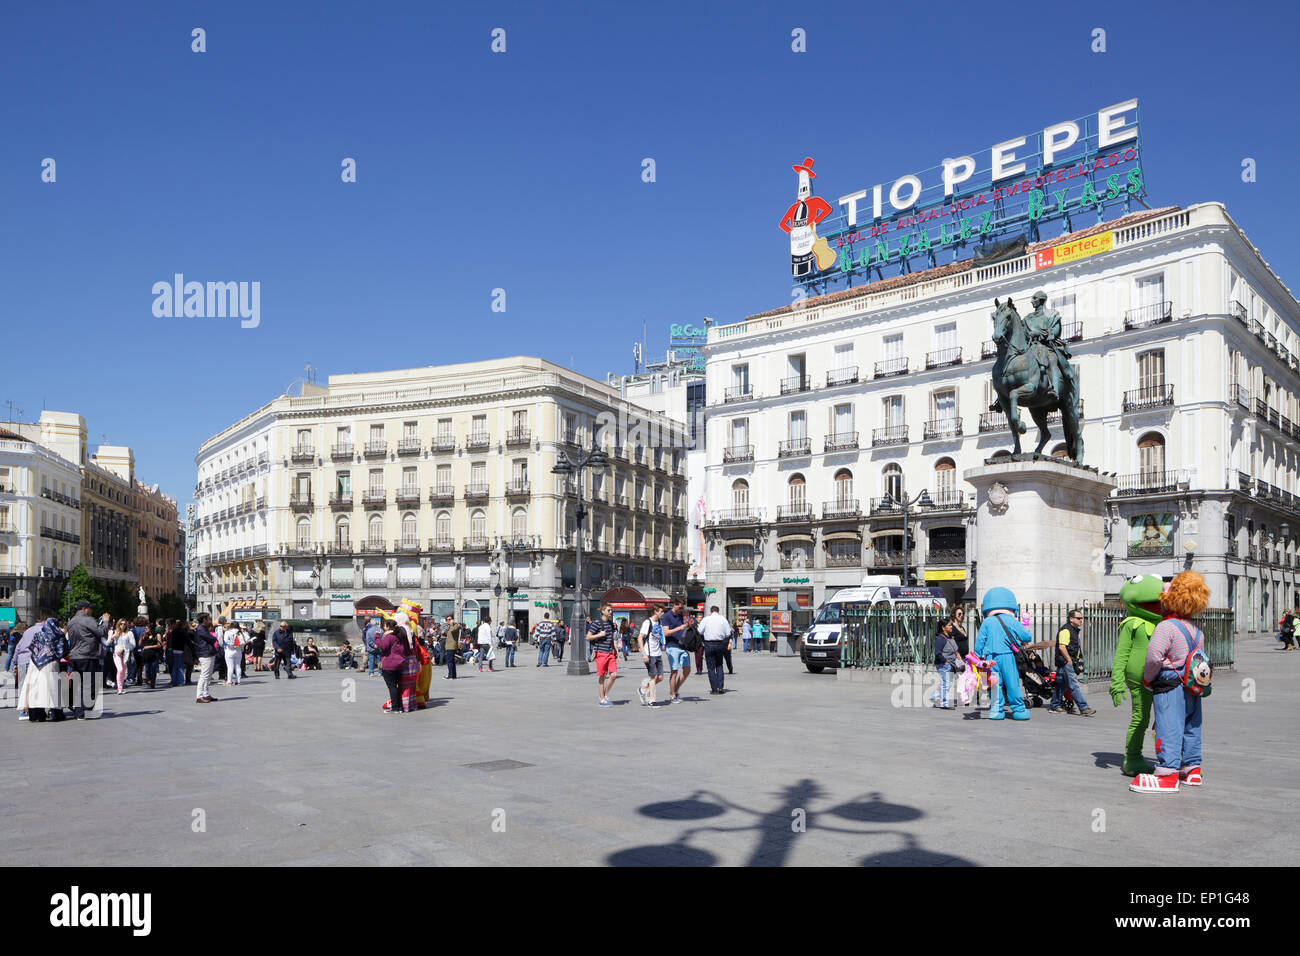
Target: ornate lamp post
{"type": "Point", "coordinates": [571, 467]}
{"type": "Point", "coordinates": [923, 499]}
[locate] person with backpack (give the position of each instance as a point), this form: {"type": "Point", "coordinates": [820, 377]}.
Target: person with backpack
{"type": "Point", "coordinates": [652, 644]}
{"type": "Point", "coordinates": [1069, 663]}
{"type": "Point", "coordinates": [679, 659]}
{"type": "Point", "coordinates": [1178, 672]}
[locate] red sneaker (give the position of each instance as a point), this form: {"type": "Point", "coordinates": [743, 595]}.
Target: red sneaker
{"type": "Point", "coordinates": [1151, 783]}
{"type": "Point", "coordinates": [1190, 776]}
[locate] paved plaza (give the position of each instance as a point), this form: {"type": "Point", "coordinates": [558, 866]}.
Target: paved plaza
{"type": "Point", "coordinates": [522, 767]}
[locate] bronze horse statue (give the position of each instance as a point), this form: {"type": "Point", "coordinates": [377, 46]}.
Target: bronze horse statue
{"type": "Point", "coordinates": [1029, 373]}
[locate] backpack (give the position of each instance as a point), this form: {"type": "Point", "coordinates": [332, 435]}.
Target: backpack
{"type": "Point", "coordinates": [1197, 669]}
{"type": "Point", "coordinates": [690, 639]}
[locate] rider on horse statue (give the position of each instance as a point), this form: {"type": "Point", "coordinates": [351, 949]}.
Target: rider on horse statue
{"type": "Point", "coordinates": [1043, 326]}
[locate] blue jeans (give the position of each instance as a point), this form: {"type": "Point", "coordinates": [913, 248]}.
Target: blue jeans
{"type": "Point", "coordinates": [1177, 727]}
{"type": "Point", "coordinates": [1065, 677]}
{"type": "Point", "coordinates": [510, 655]}
{"type": "Point", "coordinates": [151, 671]}
{"type": "Point", "coordinates": [450, 657]}
{"type": "Point", "coordinates": [9, 661]}
{"type": "Point", "coordinates": [372, 661]}
{"type": "Point", "coordinates": [940, 695]}
{"type": "Point", "coordinates": [178, 668]}
{"type": "Point", "coordinates": [543, 653]}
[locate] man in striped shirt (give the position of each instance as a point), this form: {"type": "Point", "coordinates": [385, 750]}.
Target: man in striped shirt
{"type": "Point", "coordinates": [544, 632]}
{"type": "Point", "coordinates": [600, 635]}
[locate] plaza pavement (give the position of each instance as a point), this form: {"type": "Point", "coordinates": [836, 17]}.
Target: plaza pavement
{"type": "Point", "coordinates": [289, 773]}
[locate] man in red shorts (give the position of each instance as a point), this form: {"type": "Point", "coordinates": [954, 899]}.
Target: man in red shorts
{"type": "Point", "coordinates": [600, 635]}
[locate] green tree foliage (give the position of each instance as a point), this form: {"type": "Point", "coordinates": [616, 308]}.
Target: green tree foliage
{"type": "Point", "coordinates": [81, 587]}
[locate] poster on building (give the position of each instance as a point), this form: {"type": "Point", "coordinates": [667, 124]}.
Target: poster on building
{"type": "Point", "coordinates": [1151, 535]}
{"type": "Point", "coordinates": [780, 622]}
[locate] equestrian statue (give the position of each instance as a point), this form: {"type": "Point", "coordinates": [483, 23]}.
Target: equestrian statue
{"type": "Point", "coordinates": [1032, 370]}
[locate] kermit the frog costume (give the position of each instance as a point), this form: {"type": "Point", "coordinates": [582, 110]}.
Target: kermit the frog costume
{"type": "Point", "coordinates": [1141, 597]}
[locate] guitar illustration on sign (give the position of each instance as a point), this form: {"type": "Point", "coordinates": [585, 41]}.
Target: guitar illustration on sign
{"type": "Point", "coordinates": [800, 221]}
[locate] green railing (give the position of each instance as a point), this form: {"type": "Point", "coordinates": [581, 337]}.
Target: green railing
{"type": "Point", "coordinates": [903, 638]}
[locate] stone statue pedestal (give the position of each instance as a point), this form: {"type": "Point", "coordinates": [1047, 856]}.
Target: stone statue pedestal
{"type": "Point", "coordinates": [1040, 530]}
{"type": "Point", "coordinates": [142, 610]}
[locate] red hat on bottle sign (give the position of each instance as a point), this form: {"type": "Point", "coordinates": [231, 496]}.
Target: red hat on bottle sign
{"type": "Point", "coordinates": [806, 167]}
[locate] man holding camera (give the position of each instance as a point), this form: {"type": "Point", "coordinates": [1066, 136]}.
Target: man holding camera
{"type": "Point", "coordinates": [1069, 663]}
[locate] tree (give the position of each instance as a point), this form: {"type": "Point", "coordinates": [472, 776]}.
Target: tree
{"type": "Point", "coordinates": [80, 587]}
{"type": "Point", "coordinates": [171, 606]}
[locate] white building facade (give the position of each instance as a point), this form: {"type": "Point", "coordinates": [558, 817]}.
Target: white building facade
{"type": "Point", "coordinates": [822, 418]}
{"type": "Point", "coordinates": [435, 484]}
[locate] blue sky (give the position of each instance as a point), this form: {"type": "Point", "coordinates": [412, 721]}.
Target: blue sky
{"type": "Point", "coordinates": [522, 171]}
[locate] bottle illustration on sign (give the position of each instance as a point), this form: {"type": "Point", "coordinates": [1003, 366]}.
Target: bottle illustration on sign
{"type": "Point", "coordinates": [800, 221]}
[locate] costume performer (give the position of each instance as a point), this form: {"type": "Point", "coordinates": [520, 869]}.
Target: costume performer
{"type": "Point", "coordinates": [1000, 629]}
{"type": "Point", "coordinates": [1141, 597]}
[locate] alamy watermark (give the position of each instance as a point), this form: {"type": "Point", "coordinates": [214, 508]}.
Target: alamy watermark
{"type": "Point", "coordinates": [212, 300]}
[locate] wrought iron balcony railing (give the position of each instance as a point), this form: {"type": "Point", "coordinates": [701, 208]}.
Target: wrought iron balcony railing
{"type": "Point", "coordinates": [1148, 315]}
{"type": "Point", "coordinates": [794, 447]}
{"type": "Point", "coordinates": [517, 486]}
{"type": "Point", "coordinates": [945, 557]}
{"type": "Point", "coordinates": [841, 441]}
{"type": "Point", "coordinates": [443, 442]}
{"type": "Point", "coordinates": [737, 453]}
{"type": "Point", "coordinates": [738, 393]}
{"type": "Point", "coordinates": [478, 441]}
{"type": "Point", "coordinates": [408, 496]}
{"type": "Point", "coordinates": [943, 357]}
{"type": "Point", "coordinates": [988, 349]}
{"type": "Point", "coordinates": [376, 449]}
{"type": "Point", "coordinates": [374, 498]}
{"type": "Point", "coordinates": [518, 436]}
{"type": "Point", "coordinates": [1149, 482]}
{"type": "Point", "coordinates": [796, 512]}
{"type": "Point", "coordinates": [477, 489]}
{"type": "Point", "coordinates": [891, 366]}
{"type": "Point", "coordinates": [300, 502]}
{"type": "Point", "coordinates": [841, 508]}
{"type": "Point", "coordinates": [796, 383]}
{"type": "Point", "coordinates": [441, 494]}
{"type": "Point", "coordinates": [893, 435]}
{"type": "Point", "coordinates": [943, 428]}
{"type": "Point", "coordinates": [408, 446]}
{"type": "Point", "coordinates": [341, 500]}
{"type": "Point", "coordinates": [1152, 396]}
{"type": "Point", "coordinates": [302, 453]}
{"type": "Point", "coordinates": [842, 376]}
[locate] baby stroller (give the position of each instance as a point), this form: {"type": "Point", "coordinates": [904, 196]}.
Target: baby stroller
{"type": "Point", "coordinates": [1039, 682]}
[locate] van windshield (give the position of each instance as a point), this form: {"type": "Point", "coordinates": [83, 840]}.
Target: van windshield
{"type": "Point", "coordinates": [830, 614]}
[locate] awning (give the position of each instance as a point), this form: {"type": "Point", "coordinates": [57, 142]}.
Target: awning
{"type": "Point", "coordinates": [634, 599]}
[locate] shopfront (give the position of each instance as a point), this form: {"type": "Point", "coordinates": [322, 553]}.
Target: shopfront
{"type": "Point", "coordinates": [789, 607]}
{"type": "Point", "coordinates": [952, 581]}
{"type": "Point", "coordinates": [633, 604]}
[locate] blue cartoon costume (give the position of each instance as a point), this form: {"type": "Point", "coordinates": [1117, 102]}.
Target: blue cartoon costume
{"type": "Point", "coordinates": [993, 643]}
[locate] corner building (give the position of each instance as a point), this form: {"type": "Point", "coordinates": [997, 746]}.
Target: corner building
{"type": "Point", "coordinates": [434, 484]}
{"type": "Point", "coordinates": [822, 418]}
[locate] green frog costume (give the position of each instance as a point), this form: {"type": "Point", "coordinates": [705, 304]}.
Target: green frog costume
{"type": "Point", "coordinates": [1141, 597]}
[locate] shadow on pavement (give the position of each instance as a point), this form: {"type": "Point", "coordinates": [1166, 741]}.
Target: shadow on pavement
{"type": "Point", "coordinates": [1108, 761]}
{"type": "Point", "coordinates": [131, 713]}
{"type": "Point", "coordinates": [774, 830]}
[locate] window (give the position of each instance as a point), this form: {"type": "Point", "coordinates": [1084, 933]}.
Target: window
{"type": "Point", "coordinates": [945, 336]}
{"type": "Point", "coordinates": [740, 496]}
{"type": "Point", "coordinates": [843, 356]}
{"type": "Point", "coordinates": [343, 436]}
{"type": "Point", "coordinates": [375, 532]}
{"type": "Point", "coordinates": [1151, 454]}
{"type": "Point", "coordinates": [375, 486]}
{"type": "Point", "coordinates": [739, 432]}
{"type": "Point", "coordinates": [519, 421]}
{"type": "Point", "coordinates": [302, 485]}
{"type": "Point", "coordinates": [797, 495]}
{"type": "Point", "coordinates": [478, 473]}
{"type": "Point", "coordinates": [410, 432]}
{"type": "Point", "coordinates": [444, 431]}
{"type": "Point", "coordinates": [478, 525]}
{"type": "Point", "coordinates": [945, 481]}
{"type": "Point", "coordinates": [1065, 304]}
{"type": "Point", "coordinates": [943, 405]}
{"type": "Point", "coordinates": [442, 478]}
{"type": "Point", "coordinates": [796, 366]}
{"type": "Point", "coordinates": [1151, 369]}
{"type": "Point", "coordinates": [343, 484]}
{"type": "Point", "coordinates": [842, 421]}
{"type": "Point", "coordinates": [302, 533]}
{"type": "Point", "coordinates": [343, 533]}
{"type": "Point", "coordinates": [519, 473]}
{"type": "Point", "coordinates": [1151, 292]}
{"type": "Point", "coordinates": [893, 481]}
{"type": "Point", "coordinates": [740, 379]}
{"type": "Point", "coordinates": [478, 427]}
{"type": "Point", "coordinates": [519, 524]}
{"type": "Point", "coordinates": [798, 426]}
{"type": "Point", "coordinates": [891, 411]}
{"type": "Point", "coordinates": [443, 526]}
{"type": "Point", "coordinates": [304, 439]}
{"type": "Point", "coordinates": [571, 428]}
{"type": "Point", "coordinates": [410, 485]}
{"type": "Point", "coordinates": [409, 532]}
{"type": "Point", "coordinates": [376, 434]}
{"type": "Point", "coordinates": [843, 486]}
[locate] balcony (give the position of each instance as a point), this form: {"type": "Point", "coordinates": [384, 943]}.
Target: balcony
{"type": "Point", "coordinates": [942, 357]}
{"type": "Point", "coordinates": [406, 545]}
{"type": "Point", "coordinates": [841, 508]}
{"type": "Point", "coordinates": [738, 393]}
{"type": "Point", "coordinates": [794, 448]}
{"type": "Point", "coordinates": [894, 435]}
{"type": "Point", "coordinates": [1145, 316]}
{"type": "Point", "coordinates": [745, 563]}
{"type": "Point", "coordinates": [300, 502]}
{"type": "Point", "coordinates": [1239, 395]}
{"type": "Point", "coordinates": [408, 497]}
{"type": "Point", "coordinates": [1243, 482]}
{"type": "Point", "coordinates": [340, 501]}
{"type": "Point", "coordinates": [374, 498]}
{"type": "Point", "coordinates": [1143, 549]}
{"type": "Point", "coordinates": [797, 383]}
{"type": "Point", "coordinates": [1153, 396]}
{"type": "Point", "coordinates": [943, 428]}
{"type": "Point", "coordinates": [477, 441]}
{"type": "Point", "coordinates": [735, 516]}
{"type": "Point", "coordinates": [842, 376]}
{"type": "Point", "coordinates": [1237, 311]}
{"type": "Point", "coordinates": [1072, 331]}
{"type": "Point", "coordinates": [476, 490]}
{"type": "Point", "coordinates": [886, 506]}
{"type": "Point", "coordinates": [891, 366]}
{"type": "Point", "coordinates": [1150, 482]}
{"type": "Point", "coordinates": [841, 441]}
{"type": "Point", "coordinates": [372, 547]}
{"type": "Point", "coordinates": [408, 446]}
{"type": "Point", "coordinates": [302, 453]}
{"type": "Point", "coordinates": [375, 449]}
{"type": "Point", "coordinates": [788, 513]}
{"type": "Point", "coordinates": [340, 546]}
{"type": "Point", "coordinates": [737, 453]}
{"type": "Point", "coordinates": [948, 501]}
{"type": "Point", "coordinates": [443, 442]}
{"type": "Point", "coordinates": [988, 349]}
{"type": "Point", "coordinates": [850, 560]}
{"type": "Point", "coordinates": [342, 452]}
{"type": "Point", "coordinates": [473, 543]}
{"type": "Point", "coordinates": [1232, 547]}
{"type": "Point", "coordinates": [442, 544]}
{"type": "Point", "coordinates": [520, 486]}
{"type": "Point", "coordinates": [302, 546]}
{"type": "Point", "coordinates": [442, 495]}
{"type": "Point", "coordinates": [888, 558]}
{"type": "Point", "coordinates": [946, 557]}
{"type": "Point", "coordinates": [518, 436]}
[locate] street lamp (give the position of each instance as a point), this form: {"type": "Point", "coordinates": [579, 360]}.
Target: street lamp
{"type": "Point", "coordinates": [923, 499]}
{"type": "Point", "coordinates": [574, 467]}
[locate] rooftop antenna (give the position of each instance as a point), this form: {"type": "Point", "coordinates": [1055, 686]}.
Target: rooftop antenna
{"type": "Point", "coordinates": [10, 403]}
{"type": "Point", "coordinates": [311, 374]}
{"type": "Point", "coordinates": [636, 357]}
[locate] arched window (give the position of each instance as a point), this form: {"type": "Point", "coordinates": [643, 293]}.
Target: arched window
{"type": "Point", "coordinates": [375, 531]}
{"type": "Point", "coordinates": [1061, 451]}
{"type": "Point", "coordinates": [843, 487]}
{"type": "Point", "coordinates": [302, 533]}
{"type": "Point", "coordinates": [1151, 455]}
{"type": "Point", "coordinates": [797, 498]}
{"type": "Point", "coordinates": [409, 532]}
{"type": "Point", "coordinates": [945, 481]}
{"type": "Point", "coordinates": [343, 532]}
{"type": "Point", "coordinates": [519, 523]}
{"type": "Point", "coordinates": [478, 525]}
{"type": "Point", "coordinates": [893, 481]}
{"type": "Point", "coordinates": [443, 526]}
{"type": "Point", "coordinates": [999, 455]}
{"type": "Point", "coordinates": [740, 496]}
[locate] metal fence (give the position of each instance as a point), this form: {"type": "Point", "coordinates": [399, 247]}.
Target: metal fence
{"type": "Point", "coordinates": [903, 638]}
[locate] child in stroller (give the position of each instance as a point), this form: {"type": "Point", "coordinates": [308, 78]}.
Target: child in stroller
{"type": "Point", "coordinates": [1039, 680]}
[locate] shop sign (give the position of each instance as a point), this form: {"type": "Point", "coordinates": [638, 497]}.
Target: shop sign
{"type": "Point", "coordinates": [763, 600]}
{"type": "Point", "coordinates": [780, 621]}
{"type": "Point", "coordinates": [546, 604]}
{"type": "Point", "coordinates": [248, 615]}
{"type": "Point", "coordinates": [803, 600]}
{"type": "Point", "coordinates": [948, 574]}
{"type": "Point", "coordinates": [1067, 172]}
{"type": "Point", "coordinates": [340, 597]}
{"type": "Point", "coordinates": [794, 580]}
{"type": "Point", "coordinates": [1074, 251]}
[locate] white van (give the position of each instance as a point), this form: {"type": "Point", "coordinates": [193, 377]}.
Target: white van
{"type": "Point", "coordinates": [819, 647]}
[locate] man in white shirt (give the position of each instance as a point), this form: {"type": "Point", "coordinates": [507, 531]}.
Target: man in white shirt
{"type": "Point", "coordinates": [652, 654]}
{"type": "Point", "coordinates": [484, 639]}
{"type": "Point", "coordinates": [717, 635]}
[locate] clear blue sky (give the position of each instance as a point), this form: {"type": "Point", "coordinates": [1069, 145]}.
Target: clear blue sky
{"type": "Point", "coordinates": [522, 171]}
